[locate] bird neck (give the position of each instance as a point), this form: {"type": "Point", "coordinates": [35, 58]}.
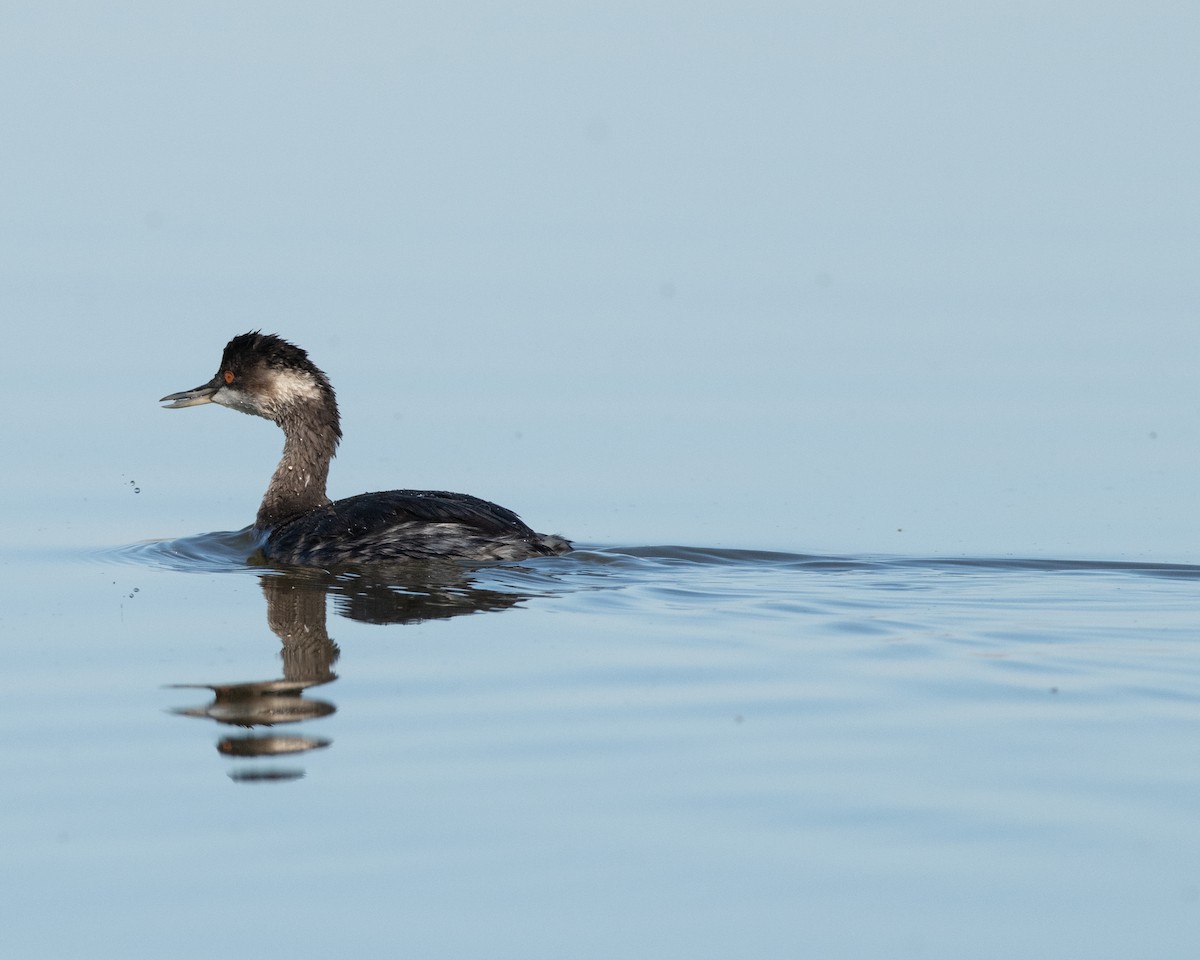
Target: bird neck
{"type": "Point", "coordinates": [298, 484]}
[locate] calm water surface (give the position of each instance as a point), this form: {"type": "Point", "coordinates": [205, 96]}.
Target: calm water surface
{"type": "Point", "coordinates": [659, 751]}
{"type": "Point", "coordinates": [824, 277]}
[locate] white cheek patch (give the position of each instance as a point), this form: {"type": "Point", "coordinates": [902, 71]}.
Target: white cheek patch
{"type": "Point", "coordinates": [272, 395]}
{"type": "Point", "coordinates": [293, 388]}
{"type": "Point", "coordinates": [236, 400]}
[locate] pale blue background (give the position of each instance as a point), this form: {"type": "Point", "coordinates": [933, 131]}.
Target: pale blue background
{"type": "Point", "coordinates": [912, 279]}
{"type": "Point", "coordinates": [907, 279]}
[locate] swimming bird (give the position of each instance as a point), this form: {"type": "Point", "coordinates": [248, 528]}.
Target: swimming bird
{"type": "Point", "coordinates": [265, 375]}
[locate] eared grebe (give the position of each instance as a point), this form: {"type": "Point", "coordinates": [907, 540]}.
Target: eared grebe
{"type": "Point", "coordinates": [265, 375]}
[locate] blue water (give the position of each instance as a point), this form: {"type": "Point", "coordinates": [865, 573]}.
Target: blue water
{"type": "Point", "coordinates": [624, 751]}
{"type": "Point", "coordinates": [889, 312]}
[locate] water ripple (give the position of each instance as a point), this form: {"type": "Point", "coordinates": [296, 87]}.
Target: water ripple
{"type": "Point", "coordinates": [235, 551]}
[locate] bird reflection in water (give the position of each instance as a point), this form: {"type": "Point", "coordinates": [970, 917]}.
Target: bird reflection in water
{"type": "Point", "coordinates": [296, 602]}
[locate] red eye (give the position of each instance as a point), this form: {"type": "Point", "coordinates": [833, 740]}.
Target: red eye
{"type": "Point", "coordinates": [229, 377]}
